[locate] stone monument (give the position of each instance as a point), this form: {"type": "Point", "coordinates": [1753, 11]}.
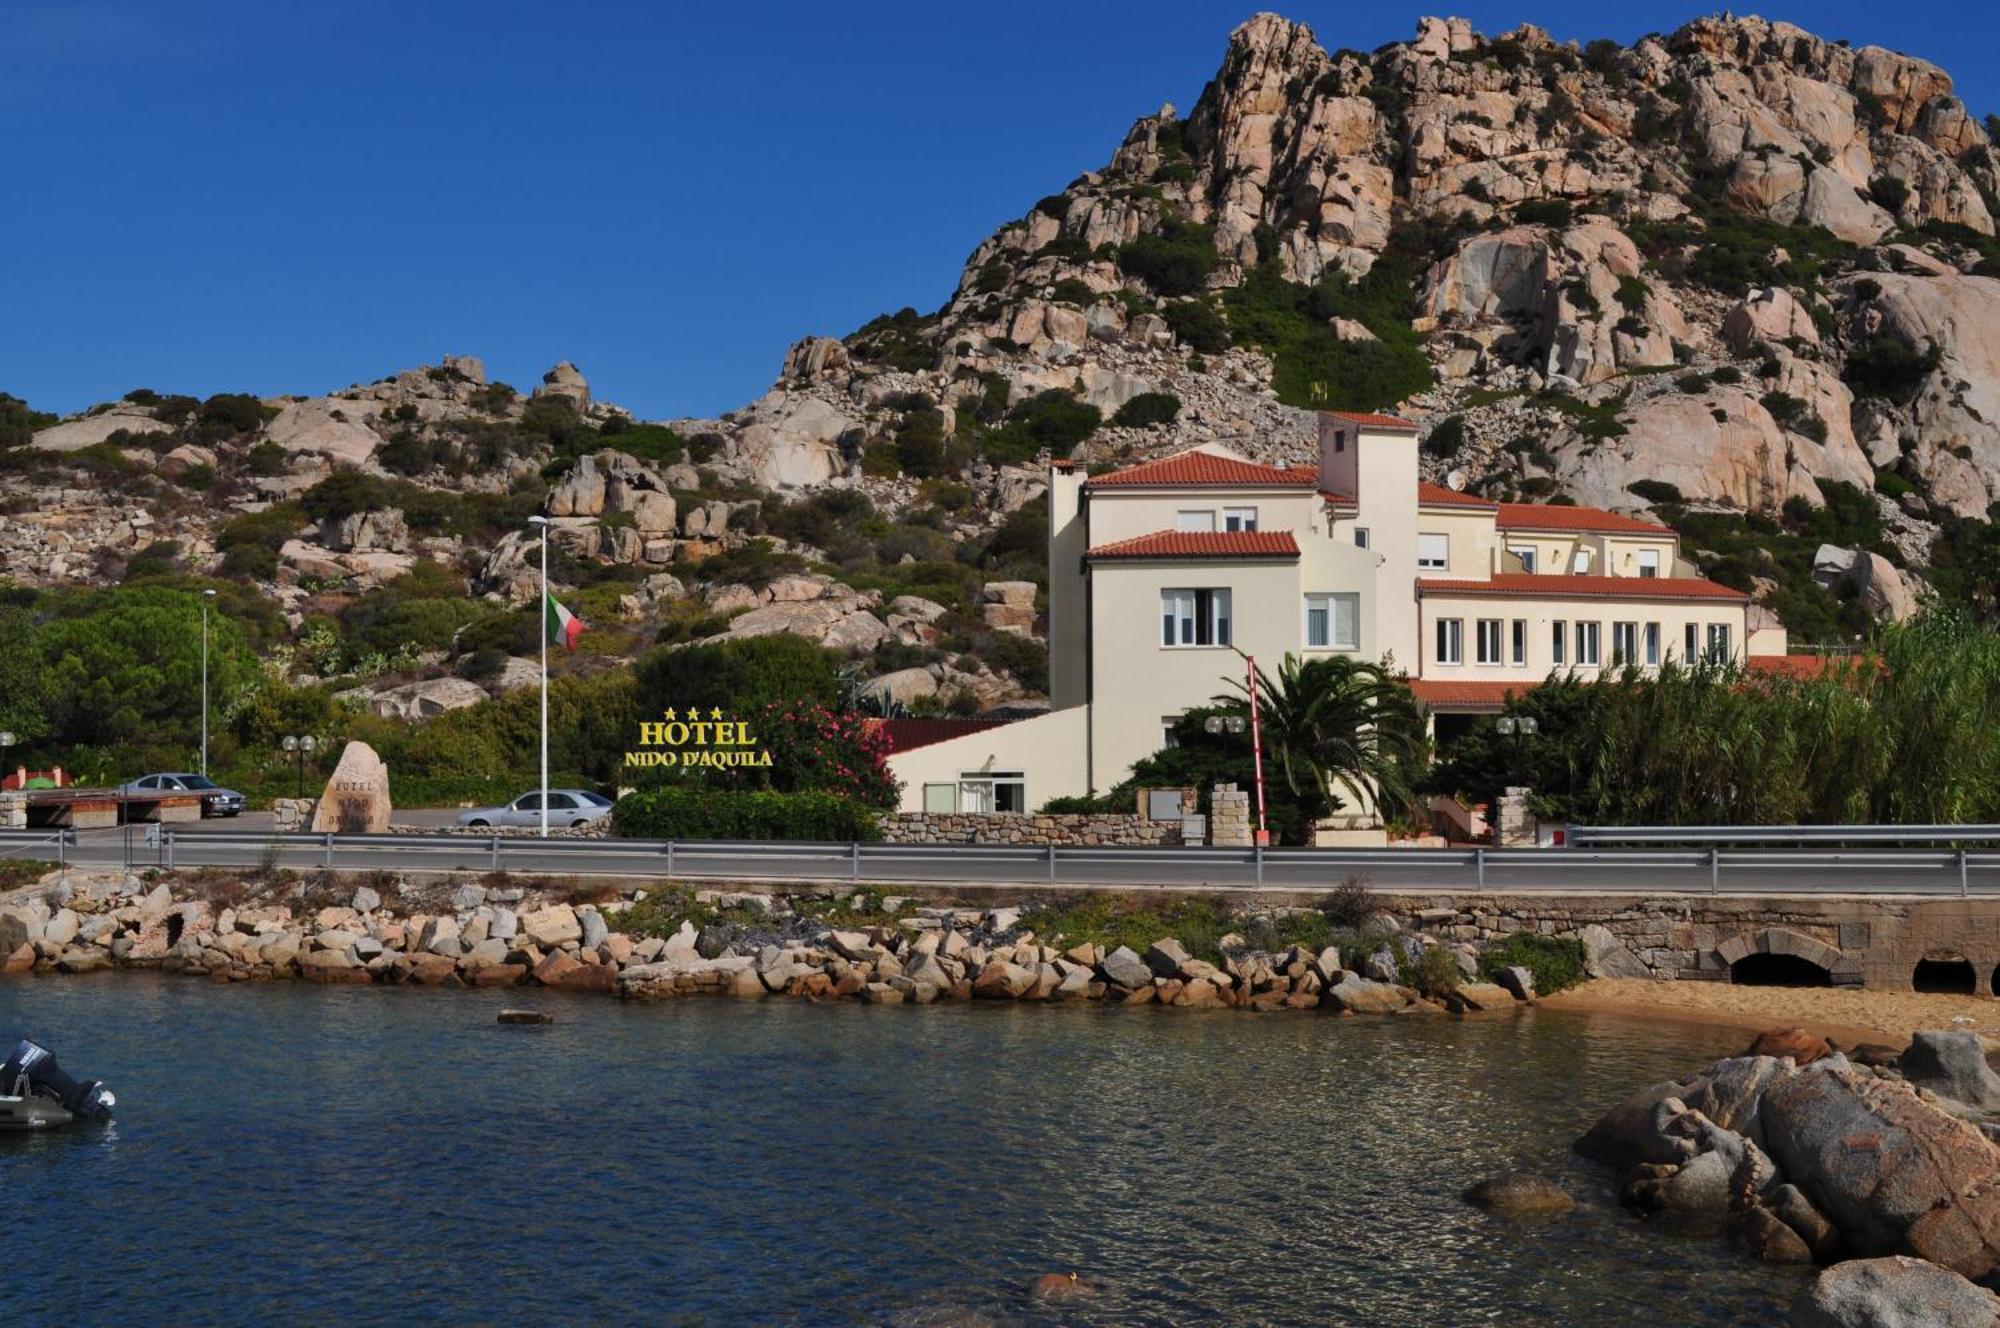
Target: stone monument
{"type": "Point", "coordinates": [356, 799]}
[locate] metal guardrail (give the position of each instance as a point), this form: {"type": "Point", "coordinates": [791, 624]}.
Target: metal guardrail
{"type": "Point", "coordinates": [1707, 869]}
{"type": "Point", "coordinates": [1586, 835]}
{"type": "Point", "coordinates": [23, 843]}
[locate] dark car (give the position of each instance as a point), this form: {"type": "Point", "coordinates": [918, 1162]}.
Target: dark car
{"type": "Point", "coordinates": [216, 800]}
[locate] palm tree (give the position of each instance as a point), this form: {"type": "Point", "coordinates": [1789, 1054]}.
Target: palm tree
{"type": "Point", "coordinates": [1340, 726]}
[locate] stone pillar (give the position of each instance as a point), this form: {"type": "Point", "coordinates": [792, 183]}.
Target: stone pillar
{"type": "Point", "coordinates": [1514, 826]}
{"type": "Point", "coordinates": [1229, 817]}
{"type": "Point", "coordinates": [13, 811]}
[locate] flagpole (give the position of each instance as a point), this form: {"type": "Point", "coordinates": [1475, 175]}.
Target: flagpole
{"type": "Point", "coordinates": [543, 609]}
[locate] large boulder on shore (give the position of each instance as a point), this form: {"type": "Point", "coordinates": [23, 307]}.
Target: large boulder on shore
{"type": "Point", "coordinates": [1951, 1064]}
{"type": "Point", "coordinates": [1894, 1173]}
{"type": "Point", "coordinates": [1894, 1292]}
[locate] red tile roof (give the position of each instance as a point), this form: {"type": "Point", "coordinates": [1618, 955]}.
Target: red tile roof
{"type": "Point", "coordinates": [1207, 470]}
{"type": "Point", "coordinates": [909, 734]}
{"type": "Point", "coordinates": [1369, 421]}
{"type": "Point", "coordinates": [1792, 666]}
{"type": "Point", "coordinates": [1546, 516]}
{"type": "Point", "coordinates": [1203, 544]}
{"type": "Point", "coordinates": [1564, 586]}
{"type": "Point", "coordinates": [1461, 693]}
{"type": "Point", "coordinates": [1436, 495]}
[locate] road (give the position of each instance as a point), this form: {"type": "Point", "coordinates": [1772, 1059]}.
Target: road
{"type": "Point", "coordinates": [247, 843]}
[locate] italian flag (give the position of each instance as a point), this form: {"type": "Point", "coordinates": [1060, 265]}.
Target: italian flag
{"type": "Point", "coordinates": [564, 627]}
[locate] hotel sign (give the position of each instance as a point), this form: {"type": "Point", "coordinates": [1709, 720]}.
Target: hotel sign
{"type": "Point", "coordinates": [688, 739]}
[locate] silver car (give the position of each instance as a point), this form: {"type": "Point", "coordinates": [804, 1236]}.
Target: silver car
{"type": "Point", "coordinates": [567, 807]}
{"type": "Point", "coordinates": [215, 799]}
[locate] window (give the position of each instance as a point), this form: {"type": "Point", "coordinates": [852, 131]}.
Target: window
{"type": "Point", "coordinates": [940, 797]}
{"type": "Point", "coordinates": [1652, 643]}
{"type": "Point", "coordinates": [1239, 518]}
{"type": "Point", "coordinates": [1527, 557]}
{"type": "Point", "coordinates": [1451, 641]}
{"type": "Point", "coordinates": [1558, 639]}
{"type": "Point", "coordinates": [1488, 640]}
{"type": "Point", "coordinates": [528, 802]}
{"type": "Point", "coordinates": [1169, 738]}
{"type": "Point", "coordinates": [1580, 561]}
{"type": "Point", "coordinates": [1718, 642]}
{"type": "Point", "coordinates": [1201, 521]}
{"type": "Point", "coordinates": [1690, 652]}
{"type": "Point", "coordinates": [992, 791]}
{"type": "Point", "coordinates": [1624, 642]}
{"type": "Point", "coordinates": [1649, 562]}
{"type": "Point", "coordinates": [561, 802]}
{"type": "Point", "coordinates": [1194, 617]}
{"type": "Point", "coordinates": [1361, 537]}
{"type": "Point", "coordinates": [1586, 643]}
{"type": "Point", "coordinates": [1333, 622]}
{"type": "Point", "coordinates": [1433, 552]}
{"type": "Point", "coordinates": [1520, 642]}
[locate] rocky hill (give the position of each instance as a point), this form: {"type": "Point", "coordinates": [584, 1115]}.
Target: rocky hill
{"type": "Point", "coordinates": [1736, 275]}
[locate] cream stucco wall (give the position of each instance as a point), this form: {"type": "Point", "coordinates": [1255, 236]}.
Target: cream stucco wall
{"type": "Point", "coordinates": [1068, 589]}
{"type": "Point", "coordinates": [1048, 749]}
{"type": "Point", "coordinates": [1141, 682]}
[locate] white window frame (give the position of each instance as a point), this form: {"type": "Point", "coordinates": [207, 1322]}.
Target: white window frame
{"type": "Point", "coordinates": [1624, 643]}
{"type": "Point", "coordinates": [1588, 645]}
{"type": "Point", "coordinates": [1653, 636]}
{"type": "Point", "coordinates": [1182, 622]}
{"type": "Point", "coordinates": [1691, 644]}
{"type": "Point", "coordinates": [1329, 603]}
{"type": "Point", "coordinates": [993, 782]}
{"type": "Point", "coordinates": [1239, 518]}
{"type": "Point", "coordinates": [1168, 738]}
{"type": "Point", "coordinates": [941, 797]}
{"type": "Point", "coordinates": [1649, 563]}
{"type": "Point", "coordinates": [1487, 643]}
{"type": "Point", "coordinates": [1450, 640]}
{"type": "Point", "coordinates": [1579, 562]}
{"type": "Point", "coordinates": [1526, 553]}
{"type": "Point", "coordinates": [1439, 557]}
{"type": "Point", "coordinates": [1559, 642]}
{"type": "Point", "coordinates": [1519, 642]}
{"type": "Point", "coordinates": [1195, 521]}
{"type": "Point", "coordinates": [1718, 643]}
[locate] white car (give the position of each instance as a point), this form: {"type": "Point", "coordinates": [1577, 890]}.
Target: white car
{"type": "Point", "coordinates": [567, 807]}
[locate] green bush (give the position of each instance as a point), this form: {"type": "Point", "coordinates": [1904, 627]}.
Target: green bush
{"type": "Point", "coordinates": [1174, 262]}
{"type": "Point", "coordinates": [1543, 212]}
{"type": "Point", "coordinates": [1312, 368]}
{"type": "Point", "coordinates": [1556, 963]}
{"type": "Point", "coordinates": [898, 341]}
{"type": "Point", "coordinates": [1655, 491]}
{"type": "Point", "coordinates": [1148, 408]}
{"type": "Point", "coordinates": [688, 813]}
{"type": "Point", "coordinates": [920, 444]}
{"type": "Point", "coordinates": [1883, 366]}
{"type": "Point", "coordinates": [1446, 437]}
{"type": "Point", "coordinates": [1198, 325]}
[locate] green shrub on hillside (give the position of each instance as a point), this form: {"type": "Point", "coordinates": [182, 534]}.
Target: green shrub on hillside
{"type": "Point", "coordinates": [897, 341]}
{"type": "Point", "coordinates": [1174, 262]}
{"type": "Point", "coordinates": [1148, 408]}
{"type": "Point", "coordinates": [1198, 325]}
{"type": "Point", "coordinates": [19, 423]}
{"type": "Point", "coordinates": [1312, 368]}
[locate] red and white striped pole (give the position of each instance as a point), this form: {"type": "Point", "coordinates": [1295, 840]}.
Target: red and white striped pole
{"type": "Point", "coordinates": [1257, 754]}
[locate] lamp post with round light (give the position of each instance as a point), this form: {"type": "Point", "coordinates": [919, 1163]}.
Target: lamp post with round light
{"type": "Point", "coordinates": [303, 745]}
{"type": "Point", "coordinates": [1520, 728]}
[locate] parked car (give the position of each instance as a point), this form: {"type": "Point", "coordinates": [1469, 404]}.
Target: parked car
{"type": "Point", "coordinates": [216, 800]}
{"type": "Point", "coordinates": [567, 807]}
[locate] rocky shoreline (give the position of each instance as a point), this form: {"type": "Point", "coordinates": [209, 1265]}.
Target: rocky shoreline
{"type": "Point", "coordinates": [824, 946]}
{"type": "Point", "coordinates": [1880, 1165]}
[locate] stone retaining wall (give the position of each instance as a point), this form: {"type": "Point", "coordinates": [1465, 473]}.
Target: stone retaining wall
{"type": "Point", "coordinates": [1070, 828]}
{"type": "Point", "coordinates": [1859, 942]}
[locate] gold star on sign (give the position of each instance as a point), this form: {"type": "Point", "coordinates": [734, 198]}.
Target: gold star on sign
{"type": "Point", "coordinates": [715, 712]}
{"type": "Point", "coordinates": [670, 713]}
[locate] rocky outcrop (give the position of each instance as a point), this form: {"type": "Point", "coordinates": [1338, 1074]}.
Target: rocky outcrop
{"type": "Point", "coordinates": [1894, 1292]}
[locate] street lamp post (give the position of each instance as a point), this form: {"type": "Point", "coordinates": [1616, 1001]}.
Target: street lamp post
{"type": "Point", "coordinates": [206, 597]}
{"type": "Point", "coordinates": [541, 524]}
{"type": "Point", "coordinates": [6, 741]}
{"type": "Point", "coordinates": [303, 745]}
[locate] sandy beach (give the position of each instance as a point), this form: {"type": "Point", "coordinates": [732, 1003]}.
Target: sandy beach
{"type": "Point", "coordinates": [1849, 1015]}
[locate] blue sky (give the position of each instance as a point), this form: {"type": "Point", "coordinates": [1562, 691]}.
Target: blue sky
{"type": "Point", "coordinates": [234, 195]}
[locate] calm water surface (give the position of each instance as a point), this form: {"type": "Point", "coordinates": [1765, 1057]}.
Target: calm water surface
{"type": "Point", "coordinates": [389, 1156]}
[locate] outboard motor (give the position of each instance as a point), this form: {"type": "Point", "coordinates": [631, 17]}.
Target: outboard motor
{"type": "Point", "coordinates": [31, 1070]}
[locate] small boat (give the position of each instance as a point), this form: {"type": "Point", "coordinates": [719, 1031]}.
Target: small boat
{"type": "Point", "coordinates": [36, 1094]}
